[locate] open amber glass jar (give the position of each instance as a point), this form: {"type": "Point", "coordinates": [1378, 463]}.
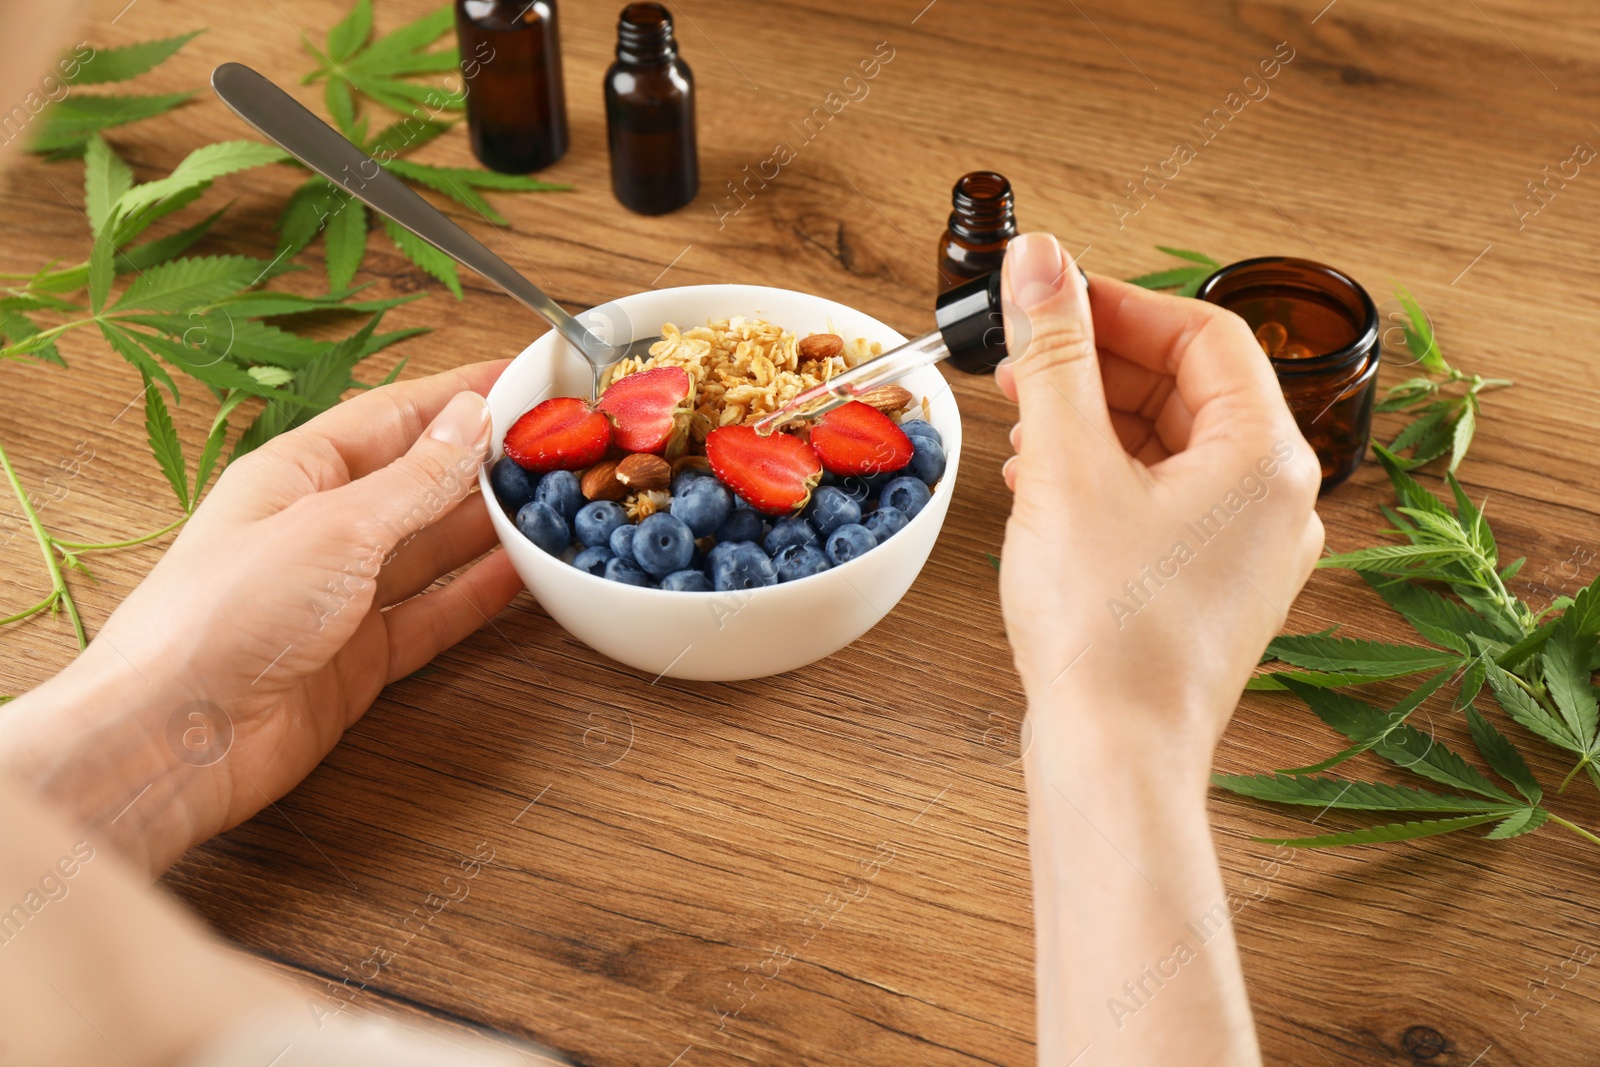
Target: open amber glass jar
{"type": "Point", "coordinates": [1319, 328]}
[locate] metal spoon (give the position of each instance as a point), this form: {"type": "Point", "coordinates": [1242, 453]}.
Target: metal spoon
{"type": "Point", "coordinates": [280, 118]}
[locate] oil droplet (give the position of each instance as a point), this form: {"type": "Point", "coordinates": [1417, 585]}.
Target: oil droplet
{"type": "Point", "coordinates": [1271, 336]}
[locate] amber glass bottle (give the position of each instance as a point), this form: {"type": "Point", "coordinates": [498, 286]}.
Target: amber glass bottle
{"type": "Point", "coordinates": [655, 165]}
{"type": "Point", "coordinates": [516, 102]}
{"type": "Point", "coordinates": [983, 221]}
{"type": "Point", "coordinates": [1319, 329]}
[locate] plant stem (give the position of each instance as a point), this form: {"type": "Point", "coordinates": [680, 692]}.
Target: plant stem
{"type": "Point", "coordinates": [42, 605]}
{"type": "Point", "coordinates": [61, 594]}
{"type": "Point", "coordinates": [1538, 694]}
{"type": "Point", "coordinates": [1580, 765]}
{"type": "Point", "coordinates": [80, 546]}
{"type": "Point", "coordinates": [44, 336]}
{"type": "Point", "coordinates": [1574, 827]}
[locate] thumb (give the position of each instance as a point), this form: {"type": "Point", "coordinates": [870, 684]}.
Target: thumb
{"type": "Point", "coordinates": [1053, 363]}
{"type": "Point", "coordinates": [436, 472]}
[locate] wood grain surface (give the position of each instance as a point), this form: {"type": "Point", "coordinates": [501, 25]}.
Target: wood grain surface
{"type": "Point", "coordinates": [666, 853]}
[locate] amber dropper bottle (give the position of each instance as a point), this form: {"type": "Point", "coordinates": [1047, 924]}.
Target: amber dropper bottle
{"type": "Point", "coordinates": [516, 102]}
{"type": "Point", "coordinates": [655, 164]}
{"type": "Point", "coordinates": [983, 222]}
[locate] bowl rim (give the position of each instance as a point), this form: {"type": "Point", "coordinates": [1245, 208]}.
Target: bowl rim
{"type": "Point", "coordinates": [483, 476]}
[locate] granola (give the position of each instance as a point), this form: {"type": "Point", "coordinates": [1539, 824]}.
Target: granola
{"type": "Point", "coordinates": [743, 369]}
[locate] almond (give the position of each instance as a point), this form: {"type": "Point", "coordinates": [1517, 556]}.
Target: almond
{"type": "Point", "coordinates": [642, 471]}
{"type": "Point", "coordinates": [599, 482]}
{"type": "Point", "coordinates": [889, 399]}
{"type": "Point", "coordinates": [821, 346]}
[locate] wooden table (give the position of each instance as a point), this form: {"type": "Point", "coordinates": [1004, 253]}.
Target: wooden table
{"type": "Point", "coordinates": [655, 842]}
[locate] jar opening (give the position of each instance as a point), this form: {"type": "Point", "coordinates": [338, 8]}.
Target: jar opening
{"type": "Point", "coordinates": [1327, 319]}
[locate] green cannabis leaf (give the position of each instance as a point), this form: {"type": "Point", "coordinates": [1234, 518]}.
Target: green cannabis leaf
{"type": "Point", "coordinates": [1446, 581]}
{"type": "Point", "coordinates": [66, 124]}
{"type": "Point", "coordinates": [1444, 422]}
{"type": "Point", "coordinates": [200, 316]}
{"type": "Point", "coordinates": [203, 318]}
{"type": "Point", "coordinates": [380, 68]}
{"type": "Point", "coordinates": [351, 63]}
{"type": "Point", "coordinates": [1185, 280]}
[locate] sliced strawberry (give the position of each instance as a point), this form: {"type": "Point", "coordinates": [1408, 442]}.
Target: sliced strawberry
{"type": "Point", "coordinates": [561, 434]}
{"type": "Point", "coordinates": [775, 473]}
{"type": "Point", "coordinates": [645, 407]}
{"type": "Point", "coordinates": [856, 438]}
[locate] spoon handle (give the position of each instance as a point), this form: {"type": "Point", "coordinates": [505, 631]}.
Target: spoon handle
{"type": "Point", "coordinates": [280, 118]}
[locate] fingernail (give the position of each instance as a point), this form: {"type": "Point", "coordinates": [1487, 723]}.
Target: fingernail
{"type": "Point", "coordinates": [1037, 268]}
{"type": "Point", "coordinates": [464, 422]}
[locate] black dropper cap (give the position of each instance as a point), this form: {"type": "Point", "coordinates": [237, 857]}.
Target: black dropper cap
{"type": "Point", "coordinates": [970, 322]}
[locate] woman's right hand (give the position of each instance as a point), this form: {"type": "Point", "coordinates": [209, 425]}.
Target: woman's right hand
{"type": "Point", "coordinates": [1163, 520]}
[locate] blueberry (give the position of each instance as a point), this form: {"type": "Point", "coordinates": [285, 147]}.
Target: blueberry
{"type": "Point", "coordinates": [927, 462]}
{"type": "Point", "coordinates": [885, 522]}
{"type": "Point", "coordinates": [909, 495]}
{"type": "Point", "coordinates": [740, 502]}
{"type": "Point", "coordinates": [850, 541]}
{"type": "Point", "coordinates": [687, 582]}
{"type": "Point", "coordinates": [831, 508]}
{"type": "Point", "coordinates": [560, 490]}
{"type": "Point", "coordinates": [622, 541]}
{"type": "Point", "coordinates": [663, 544]}
{"type": "Point", "coordinates": [743, 525]}
{"type": "Point", "coordinates": [512, 485]}
{"type": "Point", "coordinates": [703, 504]}
{"type": "Point", "coordinates": [687, 475]}
{"type": "Point", "coordinates": [744, 567]}
{"type": "Point", "coordinates": [857, 487]}
{"type": "Point", "coordinates": [876, 482]}
{"type": "Point", "coordinates": [786, 532]}
{"type": "Point", "coordinates": [544, 526]}
{"type": "Point", "coordinates": [597, 520]}
{"type": "Point", "coordinates": [593, 560]}
{"type": "Point", "coordinates": [626, 571]}
{"type": "Point", "coordinates": [920, 428]}
{"type": "Point", "coordinates": [721, 550]}
{"type": "Point", "coordinates": [800, 561]}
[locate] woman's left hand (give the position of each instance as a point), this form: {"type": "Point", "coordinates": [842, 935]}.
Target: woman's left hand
{"type": "Point", "coordinates": [299, 589]}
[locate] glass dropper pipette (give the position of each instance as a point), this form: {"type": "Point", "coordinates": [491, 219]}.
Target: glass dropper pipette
{"type": "Point", "coordinates": [969, 334]}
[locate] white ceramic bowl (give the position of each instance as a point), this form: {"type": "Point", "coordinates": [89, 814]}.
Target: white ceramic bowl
{"type": "Point", "coordinates": [718, 636]}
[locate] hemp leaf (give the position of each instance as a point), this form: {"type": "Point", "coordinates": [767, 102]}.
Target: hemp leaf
{"type": "Point", "coordinates": [1447, 583]}
{"type": "Point", "coordinates": [351, 63]}
{"type": "Point", "coordinates": [196, 317]}
{"type": "Point", "coordinates": [1186, 280]}
{"type": "Point", "coordinates": [66, 124]}
{"type": "Point", "coordinates": [1444, 422]}
{"type": "Point", "coordinates": [128, 61]}
{"type": "Point", "coordinates": [380, 68]}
